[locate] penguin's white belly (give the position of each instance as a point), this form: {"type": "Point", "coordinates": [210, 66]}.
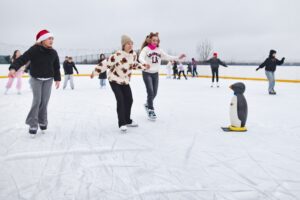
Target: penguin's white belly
{"type": "Point", "coordinates": [234, 118]}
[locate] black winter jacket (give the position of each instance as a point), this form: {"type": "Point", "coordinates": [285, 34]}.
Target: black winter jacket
{"type": "Point", "coordinates": [44, 62]}
{"type": "Point", "coordinates": [271, 63]}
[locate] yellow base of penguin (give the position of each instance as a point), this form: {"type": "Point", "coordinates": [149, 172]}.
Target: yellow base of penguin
{"type": "Point", "coordinates": [237, 129]}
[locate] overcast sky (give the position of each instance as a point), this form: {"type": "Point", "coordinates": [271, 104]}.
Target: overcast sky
{"type": "Point", "coordinates": [239, 30]}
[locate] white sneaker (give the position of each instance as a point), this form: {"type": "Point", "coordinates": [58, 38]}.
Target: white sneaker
{"type": "Point", "coordinates": [133, 124]}
{"type": "Point", "coordinates": [212, 85]}
{"type": "Point", "coordinates": [6, 91]}
{"type": "Point", "coordinates": [218, 85]}
{"type": "Point", "coordinates": [123, 129]}
{"type": "Point", "coordinates": [19, 93]}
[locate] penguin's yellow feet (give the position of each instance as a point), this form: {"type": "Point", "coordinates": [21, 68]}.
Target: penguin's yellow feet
{"type": "Point", "coordinates": [237, 129]}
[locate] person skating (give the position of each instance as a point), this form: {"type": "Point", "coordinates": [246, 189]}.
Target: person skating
{"type": "Point", "coordinates": [44, 68]}
{"type": "Point", "coordinates": [169, 69]}
{"type": "Point", "coordinates": [102, 76]}
{"type": "Point", "coordinates": [152, 54]}
{"type": "Point", "coordinates": [181, 71]}
{"type": "Point", "coordinates": [194, 68]}
{"type": "Point", "coordinates": [17, 76]}
{"type": "Point", "coordinates": [175, 70]}
{"type": "Point", "coordinates": [189, 69]}
{"type": "Point", "coordinates": [270, 65]}
{"type": "Point", "coordinates": [215, 62]}
{"type": "Point", "coordinates": [120, 65]}
{"type": "Point", "coordinates": [68, 66]}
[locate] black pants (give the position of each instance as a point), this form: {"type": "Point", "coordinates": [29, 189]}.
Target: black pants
{"type": "Point", "coordinates": [181, 72]}
{"type": "Point", "coordinates": [124, 102]}
{"type": "Point", "coordinates": [151, 83]}
{"type": "Point", "coordinates": [175, 72]}
{"type": "Point", "coordinates": [195, 73]}
{"type": "Point", "coordinates": [215, 73]}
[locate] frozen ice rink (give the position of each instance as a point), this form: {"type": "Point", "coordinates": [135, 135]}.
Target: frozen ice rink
{"type": "Point", "coordinates": [183, 155]}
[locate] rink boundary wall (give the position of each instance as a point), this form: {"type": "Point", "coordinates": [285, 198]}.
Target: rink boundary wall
{"type": "Point", "coordinates": [203, 76]}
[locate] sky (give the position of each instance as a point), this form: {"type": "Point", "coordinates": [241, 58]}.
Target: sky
{"type": "Point", "coordinates": [238, 30]}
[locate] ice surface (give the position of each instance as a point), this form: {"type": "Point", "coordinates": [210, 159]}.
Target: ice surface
{"type": "Point", "coordinates": [183, 155]}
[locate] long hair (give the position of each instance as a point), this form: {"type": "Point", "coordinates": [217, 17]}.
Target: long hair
{"type": "Point", "coordinates": [101, 58]}
{"type": "Point", "coordinates": [13, 58]}
{"type": "Point", "coordinates": [148, 39]}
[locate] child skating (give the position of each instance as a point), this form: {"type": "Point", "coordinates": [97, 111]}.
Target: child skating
{"type": "Point", "coordinates": [215, 62]}
{"type": "Point", "coordinates": [181, 71]}
{"type": "Point", "coordinates": [175, 70]}
{"type": "Point", "coordinates": [152, 54]}
{"type": "Point", "coordinates": [44, 68]}
{"type": "Point", "coordinates": [102, 76]}
{"type": "Point", "coordinates": [194, 66]}
{"type": "Point", "coordinates": [18, 75]}
{"type": "Point", "coordinates": [169, 69]}
{"type": "Point", "coordinates": [120, 65]}
{"type": "Point", "coordinates": [69, 65]}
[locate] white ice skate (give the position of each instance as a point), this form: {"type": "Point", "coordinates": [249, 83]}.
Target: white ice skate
{"type": "Point", "coordinates": [123, 129]}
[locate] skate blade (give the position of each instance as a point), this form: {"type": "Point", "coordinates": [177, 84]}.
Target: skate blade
{"type": "Point", "coordinates": [152, 119]}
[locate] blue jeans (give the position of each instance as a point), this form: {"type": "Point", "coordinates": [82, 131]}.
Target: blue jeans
{"type": "Point", "coordinates": [102, 82]}
{"type": "Point", "coordinates": [151, 83]}
{"type": "Point", "coordinates": [271, 78]}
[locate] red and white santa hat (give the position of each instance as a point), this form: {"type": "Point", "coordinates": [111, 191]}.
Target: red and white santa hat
{"type": "Point", "coordinates": [43, 35]}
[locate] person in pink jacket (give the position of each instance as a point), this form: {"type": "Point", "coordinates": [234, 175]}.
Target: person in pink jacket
{"type": "Point", "coordinates": [17, 76]}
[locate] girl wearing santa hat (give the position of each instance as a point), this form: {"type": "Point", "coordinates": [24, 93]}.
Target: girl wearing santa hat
{"type": "Point", "coordinates": [152, 54]}
{"type": "Point", "coordinates": [120, 65]}
{"type": "Point", "coordinates": [44, 69]}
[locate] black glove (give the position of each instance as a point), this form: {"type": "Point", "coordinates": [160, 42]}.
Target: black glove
{"type": "Point", "coordinates": [283, 58]}
{"type": "Point", "coordinates": [257, 69]}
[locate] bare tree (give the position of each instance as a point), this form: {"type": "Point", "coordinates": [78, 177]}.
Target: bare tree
{"type": "Point", "coordinates": [204, 50]}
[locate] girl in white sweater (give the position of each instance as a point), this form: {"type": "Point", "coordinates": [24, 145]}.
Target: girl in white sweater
{"type": "Point", "coordinates": [151, 54]}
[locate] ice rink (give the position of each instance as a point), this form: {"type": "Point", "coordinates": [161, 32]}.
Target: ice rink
{"type": "Point", "coordinates": [183, 155]}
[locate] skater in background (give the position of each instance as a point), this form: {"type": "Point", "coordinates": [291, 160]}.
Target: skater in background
{"type": "Point", "coordinates": [181, 71]}
{"type": "Point", "coordinates": [169, 69]}
{"type": "Point", "coordinates": [102, 76]}
{"type": "Point", "coordinates": [238, 109]}
{"type": "Point", "coordinates": [66, 60]}
{"type": "Point", "coordinates": [18, 75]}
{"type": "Point", "coordinates": [120, 65]}
{"type": "Point", "coordinates": [175, 70]}
{"type": "Point", "coordinates": [68, 66]}
{"type": "Point", "coordinates": [194, 68]}
{"type": "Point", "coordinates": [215, 63]}
{"type": "Point", "coordinates": [189, 69]}
{"type": "Point", "coordinates": [44, 68]}
{"type": "Point", "coordinates": [270, 67]}
{"type": "Point", "coordinates": [152, 54]}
